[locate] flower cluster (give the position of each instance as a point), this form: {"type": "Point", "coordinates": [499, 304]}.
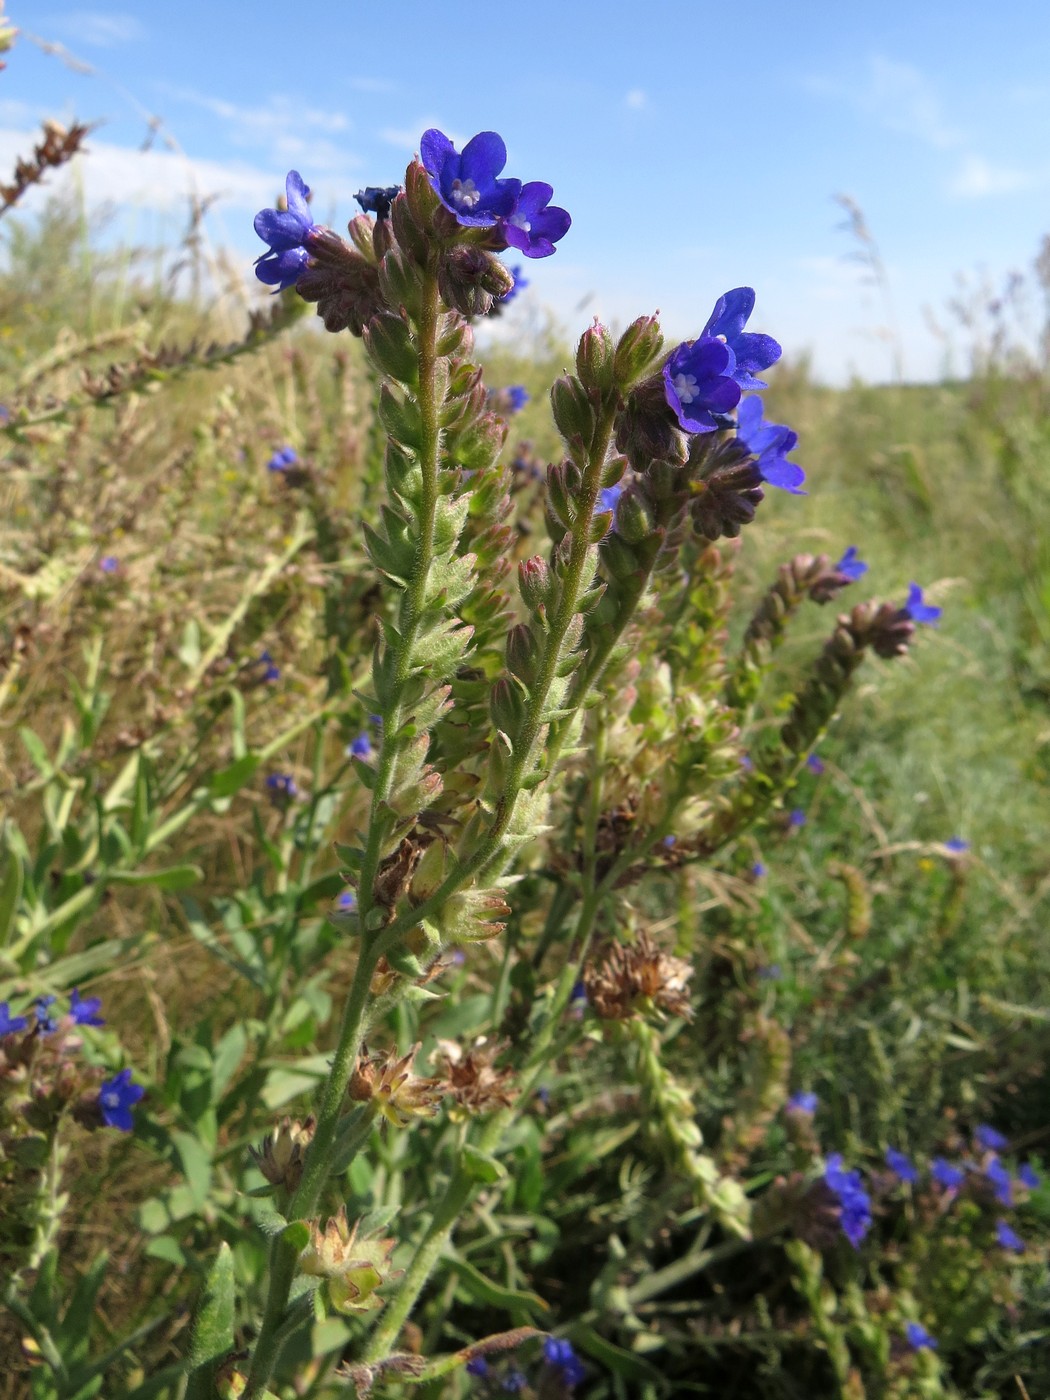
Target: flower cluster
{"type": "Point", "coordinates": [285, 231]}
{"type": "Point", "coordinates": [469, 186]}
{"type": "Point", "coordinates": [853, 1201]}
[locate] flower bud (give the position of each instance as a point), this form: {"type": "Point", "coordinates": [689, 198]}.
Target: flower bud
{"type": "Point", "coordinates": [646, 429]}
{"type": "Point", "coordinates": [535, 582]}
{"type": "Point", "coordinates": [360, 228]}
{"type": "Point", "coordinates": [594, 358]}
{"type": "Point", "coordinates": [390, 348]}
{"type": "Point", "coordinates": [400, 282]}
{"type": "Point", "coordinates": [280, 1155]}
{"type": "Point", "coordinates": [637, 351]}
{"type": "Point", "coordinates": [523, 652]}
{"type": "Point", "coordinates": [633, 517]}
{"type": "Point", "coordinates": [421, 200]}
{"type": "Point", "coordinates": [573, 411]}
{"type": "Point", "coordinates": [470, 279]}
{"type": "Point", "coordinates": [507, 706]}
{"type": "Point", "coordinates": [479, 445]}
{"type": "Point", "coordinates": [344, 286]}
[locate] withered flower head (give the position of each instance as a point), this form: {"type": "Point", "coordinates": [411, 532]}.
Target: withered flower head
{"type": "Point", "coordinates": [630, 978]}
{"type": "Point", "coordinates": [354, 1267]}
{"type": "Point", "coordinates": [280, 1154]}
{"type": "Point", "coordinates": [388, 1083]}
{"type": "Point", "coordinates": [471, 1078]}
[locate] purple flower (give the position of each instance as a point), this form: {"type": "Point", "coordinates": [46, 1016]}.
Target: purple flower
{"type": "Point", "coordinates": [917, 610]}
{"type": "Point", "coordinates": [375, 199]}
{"type": "Point", "coordinates": [361, 747]}
{"type": "Point", "coordinates": [815, 763]}
{"type": "Point", "coordinates": [84, 1010]}
{"type": "Point", "coordinates": [669, 841]}
{"type": "Point", "coordinates": [758, 870]}
{"type": "Point", "coordinates": [466, 184]}
{"type": "Point", "coordinates": [750, 352]}
{"type": "Point", "coordinates": [109, 563]}
{"type": "Point", "coordinates": [535, 225]}
{"type": "Point", "coordinates": [770, 443]}
{"type": "Point", "coordinates": [115, 1098]}
{"type": "Point", "coordinates": [854, 1202]}
{"type": "Point", "coordinates": [347, 902]}
{"type": "Point", "coordinates": [271, 672]}
{"type": "Point", "coordinates": [747, 763]}
{"type": "Point", "coordinates": [796, 817]}
{"type": "Point", "coordinates": [699, 384]}
{"type": "Point", "coordinates": [991, 1138]}
{"type": "Point", "coordinates": [282, 787]}
{"type": "Point", "coordinates": [946, 1174]}
{"type": "Point", "coordinates": [514, 1382]}
{"type": "Point", "coordinates": [285, 230]}
{"type": "Point", "coordinates": [918, 1337]}
{"type": "Point", "coordinates": [518, 397]}
{"type": "Point", "coordinates": [998, 1175]}
{"type": "Point", "coordinates": [850, 565]}
{"type": "Point", "coordinates": [609, 499]}
{"type": "Point", "coordinates": [901, 1165]}
{"type": "Point", "coordinates": [520, 283]}
{"type": "Point", "coordinates": [956, 845]}
{"type": "Point", "coordinates": [805, 1102]}
{"type": "Point", "coordinates": [559, 1355]}
{"type": "Point", "coordinates": [773, 973]}
{"type": "Point", "coordinates": [1008, 1238]}
{"type": "Point", "coordinates": [282, 459]}
{"type": "Point", "coordinates": [46, 1024]}
{"type": "Point", "coordinates": [1028, 1176]}
{"type": "Point", "coordinates": [477, 1366]}
{"type": "Point", "coordinates": [10, 1024]}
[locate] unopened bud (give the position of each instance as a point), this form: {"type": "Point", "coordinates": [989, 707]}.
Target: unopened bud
{"type": "Point", "coordinates": [470, 279]}
{"type": "Point", "coordinates": [535, 583]}
{"type": "Point", "coordinates": [507, 705]}
{"type": "Point", "coordinates": [594, 358]}
{"type": "Point", "coordinates": [637, 351]}
{"type": "Point", "coordinates": [574, 412]}
{"type": "Point", "coordinates": [523, 652]}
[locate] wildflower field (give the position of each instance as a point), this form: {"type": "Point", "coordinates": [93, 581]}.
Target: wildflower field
{"type": "Point", "coordinates": [509, 884]}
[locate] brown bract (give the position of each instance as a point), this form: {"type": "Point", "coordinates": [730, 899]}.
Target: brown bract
{"type": "Point", "coordinates": [280, 1155]}
{"type": "Point", "coordinates": [471, 1077]}
{"type": "Point", "coordinates": [630, 977]}
{"type": "Point", "coordinates": [387, 1082]}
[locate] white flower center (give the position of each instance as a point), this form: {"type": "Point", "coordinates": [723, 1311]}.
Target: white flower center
{"type": "Point", "coordinates": [520, 221]}
{"type": "Point", "coordinates": [111, 1100]}
{"type": "Point", "coordinates": [465, 194]}
{"type": "Point", "coordinates": [686, 387]}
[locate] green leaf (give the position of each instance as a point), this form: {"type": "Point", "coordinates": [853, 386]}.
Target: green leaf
{"type": "Point", "coordinates": [175, 877]}
{"type": "Point", "coordinates": [482, 1166]}
{"type": "Point", "coordinates": [484, 1290]}
{"type": "Point", "coordinates": [228, 1054]}
{"type": "Point", "coordinates": [213, 1327]}
{"type": "Point", "coordinates": [229, 780]}
{"type": "Point", "coordinates": [10, 893]}
{"type": "Point", "coordinates": [616, 1359]}
{"type": "Point", "coordinates": [34, 747]}
{"type": "Point", "coordinates": [189, 652]}
{"type": "Point", "coordinates": [196, 1166]}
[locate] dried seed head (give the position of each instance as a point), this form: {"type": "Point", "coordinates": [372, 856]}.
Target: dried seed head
{"type": "Point", "coordinates": [630, 979]}
{"type": "Point", "coordinates": [387, 1082]}
{"type": "Point", "coordinates": [472, 1079]}
{"type": "Point", "coordinates": [280, 1154]}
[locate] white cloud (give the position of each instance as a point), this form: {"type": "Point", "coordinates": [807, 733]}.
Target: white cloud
{"type": "Point", "coordinates": [100, 29]}
{"type": "Point", "coordinates": [635, 99]}
{"type": "Point", "coordinates": [896, 95]}
{"type": "Point", "coordinates": [252, 124]}
{"type": "Point", "coordinates": [978, 178]}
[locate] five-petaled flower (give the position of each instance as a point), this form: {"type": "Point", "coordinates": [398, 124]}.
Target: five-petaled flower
{"type": "Point", "coordinates": [750, 351]}
{"type": "Point", "coordinates": [919, 1338]}
{"type": "Point", "coordinates": [699, 384]}
{"type": "Point", "coordinates": [850, 565]}
{"type": "Point", "coordinates": [535, 224]}
{"type": "Point", "coordinates": [917, 610]}
{"type": "Point", "coordinates": [770, 443]}
{"type": "Point", "coordinates": [467, 183]}
{"type": "Point", "coordinates": [901, 1166]}
{"type": "Point", "coordinates": [84, 1010]}
{"type": "Point", "coordinates": [285, 230]}
{"type": "Point", "coordinates": [115, 1099]}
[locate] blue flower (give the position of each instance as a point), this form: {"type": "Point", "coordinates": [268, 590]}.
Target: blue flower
{"type": "Point", "coordinates": [271, 671]}
{"type": "Point", "coordinates": [1008, 1238]}
{"type": "Point", "coordinates": [796, 817]}
{"type": "Point", "coordinates": [669, 841]}
{"type": "Point", "coordinates": [946, 1174]}
{"type": "Point", "coordinates": [699, 384]}
{"type": "Point", "coordinates": [758, 870]}
{"type": "Point", "coordinates": [917, 610]}
{"type": "Point", "coordinates": [115, 1098]}
{"type": "Point", "coordinates": [520, 283]}
{"type": "Point", "coordinates": [282, 786]}
{"type": "Point", "coordinates": [956, 845]}
{"type": "Point", "coordinates": [477, 1366]}
{"type": "Point", "coordinates": [285, 230]}
{"type": "Point", "coordinates": [1028, 1176]}
{"type": "Point", "coordinates": [815, 763]}
{"type": "Point", "coordinates": [773, 973]}
{"type": "Point", "coordinates": [375, 199]}
{"type": "Point", "coordinates": [46, 1024]}
{"type": "Point", "coordinates": [805, 1102]}
{"type": "Point", "coordinates": [901, 1165]}
{"type": "Point", "coordinates": [347, 902]}
{"type": "Point", "coordinates": [282, 459]}
{"type": "Point", "coordinates": [850, 565]}
{"type": "Point", "coordinates": [991, 1138]}
{"type": "Point", "coordinates": [514, 1382]}
{"type": "Point", "coordinates": [770, 443]}
{"type": "Point", "coordinates": [518, 396]}
{"type": "Point", "coordinates": [84, 1010]}
{"type": "Point", "coordinates": [609, 499]}
{"type": "Point", "coordinates": [10, 1024]}
{"type": "Point", "coordinates": [109, 563]}
{"type": "Point", "coordinates": [361, 747]}
{"type": "Point", "coordinates": [918, 1337]}
{"type": "Point", "coordinates": [750, 352]}
{"type": "Point", "coordinates": [998, 1175]}
{"type": "Point", "coordinates": [535, 225]}
{"type": "Point", "coordinates": [854, 1202]}
{"type": "Point", "coordinates": [466, 184]}
{"type": "Point", "coordinates": [559, 1355]}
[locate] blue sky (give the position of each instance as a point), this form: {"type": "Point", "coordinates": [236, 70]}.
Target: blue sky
{"type": "Point", "coordinates": [696, 147]}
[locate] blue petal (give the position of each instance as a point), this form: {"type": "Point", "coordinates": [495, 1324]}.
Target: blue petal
{"type": "Point", "coordinates": [279, 228]}
{"type": "Point", "coordinates": [731, 312]}
{"type": "Point", "coordinates": [295, 191]}
{"type": "Point", "coordinates": [434, 149]}
{"type": "Point", "coordinates": [484, 156]}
